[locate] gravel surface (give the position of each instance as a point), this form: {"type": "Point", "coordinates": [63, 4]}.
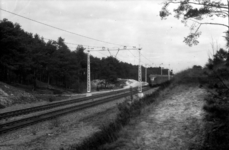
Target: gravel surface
{"type": "Point", "coordinates": [52, 109]}
{"type": "Point", "coordinates": [62, 131]}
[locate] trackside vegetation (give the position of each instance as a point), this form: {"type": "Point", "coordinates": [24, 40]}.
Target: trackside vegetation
{"type": "Point", "coordinates": [214, 77]}
{"type": "Point", "coordinates": [102, 139]}
{"type": "Point", "coordinates": [27, 59]}
{"type": "Point", "coordinates": [217, 103]}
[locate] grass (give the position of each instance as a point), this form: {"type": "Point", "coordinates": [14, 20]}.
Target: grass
{"type": "Point", "coordinates": [109, 133]}
{"type": "Point", "coordinates": [165, 124]}
{"type": "Point", "coordinates": [103, 139]}
{"type": "Point", "coordinates": [216, 107]}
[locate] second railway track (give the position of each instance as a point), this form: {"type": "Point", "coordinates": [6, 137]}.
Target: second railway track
{"type": "Point", "coordinates": [53, 105]}
{"type": "Point", "coordinates": [13, 125]}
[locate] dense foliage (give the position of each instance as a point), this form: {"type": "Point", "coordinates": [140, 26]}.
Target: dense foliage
{"type": "Point", "coordinates": [217, 102]}
{"type": "Point", "coordinates": [26, 59]}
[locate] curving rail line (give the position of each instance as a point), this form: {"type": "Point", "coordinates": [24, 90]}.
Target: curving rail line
{"type": "Point", "coordinates": [13, 125]}
{"type": "Point", "coordinates": [53, 105]}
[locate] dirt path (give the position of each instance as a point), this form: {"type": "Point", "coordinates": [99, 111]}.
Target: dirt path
{"type": "Point", "coordinates": [174, 124]}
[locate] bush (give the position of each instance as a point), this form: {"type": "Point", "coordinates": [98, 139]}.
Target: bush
{"type": "Point", "coordinates": [217, 111]}
{"type": "Point", "coordinates": [189, 76]}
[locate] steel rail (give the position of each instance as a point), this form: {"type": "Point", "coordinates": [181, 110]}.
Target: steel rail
{"type": "Point", "coordinates": [53, 105]}
{"type": "Point", "coordinates": [12, 125]}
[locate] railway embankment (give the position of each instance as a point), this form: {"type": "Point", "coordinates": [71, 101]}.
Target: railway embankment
{"type": "Point", "coordinates": [110, 133]}
{"type": "Point", "coordinates": [178, 115]}
{"type": "Point", "coordinates": [171, 118]}
{"type": "Point", "coordinates": [174, 121]}
{"type": "Point", "coordinates": [60, 131]}
{"type": "Point", "coordinates": [64, 130]}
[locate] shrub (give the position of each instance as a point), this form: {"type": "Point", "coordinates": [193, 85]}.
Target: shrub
{"type": "Point", "coordinates": [217, 111]}
{"type": "Point", "coordinates": [189, 76]}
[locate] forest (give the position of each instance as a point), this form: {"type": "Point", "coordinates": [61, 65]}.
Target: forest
{"type": "Point", "coordinates": [26, 58]}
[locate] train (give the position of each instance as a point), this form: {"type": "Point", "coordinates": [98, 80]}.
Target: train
{"type": "Point", "coordinates": [155, 80]}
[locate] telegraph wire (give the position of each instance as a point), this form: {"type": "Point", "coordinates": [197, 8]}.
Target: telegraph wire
{"type": "Point", "coordinates": [103, 54]}
{"type": "Point", "coordinates": [147, 58]}
{"type": "Point", "coordinates": [73, 43]}
{"type": "Point", "coordinates": [85, 46]}
{"type": "Point", "coordinates": [69, 32]}
{"type": "Point", "coordinates": [99, 51]}
{"type": "Point", "coordinates": [132, 53]}
{"type": "Point", "coordinates": [60, 28]}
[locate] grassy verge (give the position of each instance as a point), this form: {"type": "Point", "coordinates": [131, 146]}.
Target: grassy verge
{"type": "Point", "coordinates": [109, 133]}
{"type": "Point", "coordinates": [216, 107]}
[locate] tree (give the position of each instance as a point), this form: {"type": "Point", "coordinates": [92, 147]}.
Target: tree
{"type": "Point", "coordinates": [109, 70]}
{"type": "Point", "coordinates": [219, 59]}
{"type": "Point", "coordinates": [13, 51]}
{"type": "Point", "coordinates": [197, 11]}
{"type": "Point", "coordinates": [27, 59]}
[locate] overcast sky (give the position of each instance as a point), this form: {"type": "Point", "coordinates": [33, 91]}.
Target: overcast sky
{"type": "Point", "coordinates": [126, 22]}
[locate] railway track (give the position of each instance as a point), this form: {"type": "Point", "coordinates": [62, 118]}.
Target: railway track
{"type": "Point", "coordinates": [25, 111]}
{"type": "Point", "coordinates": [20, 123]}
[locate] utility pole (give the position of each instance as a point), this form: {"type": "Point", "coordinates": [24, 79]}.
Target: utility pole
{"type": "Point", "coordinates": [146, 73]}
{"type": "Point", "coordinates": [152, 69]}
{"type": "Point", "coordinates": [88, 75]}
{"type": "Point", "coordinates": [161, 67]}
{"type": "Point", "coordinates": [88, 63]}
{"type": "Point", "coordinates": [169, 73]}
{"type": "Point", "coordinates": [140, 94]}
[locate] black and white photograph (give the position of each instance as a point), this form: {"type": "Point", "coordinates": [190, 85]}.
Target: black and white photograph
{"type": "Point", "coordinates": [114, 74]}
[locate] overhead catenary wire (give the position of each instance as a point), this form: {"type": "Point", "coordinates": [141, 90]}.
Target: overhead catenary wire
{"type": "Point", "coordinates": [60, 28]}
{"type": "Point", "coordinates": [103, 54]}
{"type": "Point", "coordinates": [70, 33]}
{"type": "Point", "coordinates": [85, 46]}
{"type": "Point", "coordinates": [147, 58]}
{"type": "Point", "coordinates": [74, 43]}
{"type": "Point", "coordinates": [99, 51]}
{"type": "Point", "coordinates": [132, 53]}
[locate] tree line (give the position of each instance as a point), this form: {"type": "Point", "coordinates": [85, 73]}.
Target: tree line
{"type": "Point", "coordinates": [26, 58]}
{"type": "Point", "coordinates": [216, 103]}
